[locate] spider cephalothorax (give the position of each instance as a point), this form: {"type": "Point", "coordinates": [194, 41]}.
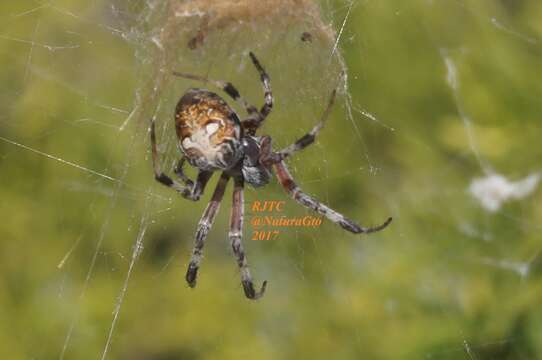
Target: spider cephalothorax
{"type": "Point", "coordinates": [212, 138]}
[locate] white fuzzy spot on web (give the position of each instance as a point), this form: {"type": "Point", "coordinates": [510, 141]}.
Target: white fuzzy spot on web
{"type": "Point", "coordinates": [494, 190]}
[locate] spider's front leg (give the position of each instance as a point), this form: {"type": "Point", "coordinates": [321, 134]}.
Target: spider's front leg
{"type": "Point", "coordinates": [306, 200]}
{"type": "Point", "coordinates": [269, 158]}
{"type": "Point", "coordinates": [204, 225]}
{"type": "Point", "coordinates": [235, 235]}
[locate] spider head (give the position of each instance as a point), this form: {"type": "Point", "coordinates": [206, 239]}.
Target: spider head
{"type": "Point", "coordinates": [254, 173]}
{"type": "Point", "coordinates": [209, 130]}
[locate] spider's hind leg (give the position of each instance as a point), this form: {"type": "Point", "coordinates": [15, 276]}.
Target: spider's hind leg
{"type": "Point", "coordinates": [160, 176]}
{"type": "Point", "coordinates": [228, 88]}
{"type": "Point", "coordinates": [252, 124]}
{"type": "Point", "coordinates": [268, 94]}
{"type": "Point", "coordinates": [189, 190]}
{"type": "Point", "coordinates": [201, 180]}
{"type": "Point", "coordinates": [179, 171]}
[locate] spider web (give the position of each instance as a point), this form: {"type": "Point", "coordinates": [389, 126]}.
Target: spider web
{"type": "Point", "coordinates": [436, 124]}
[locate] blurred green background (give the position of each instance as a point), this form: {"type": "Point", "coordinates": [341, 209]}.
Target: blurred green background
{"type": "Point", "coordinates": [440, 93]}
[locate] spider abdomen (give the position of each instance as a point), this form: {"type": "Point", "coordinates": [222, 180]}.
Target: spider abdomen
{"type": "Point", "coordinates": [208, 129]}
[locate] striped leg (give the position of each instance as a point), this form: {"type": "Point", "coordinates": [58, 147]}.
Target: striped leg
{"type": "Point", "coordinates": [189, 190]}
{"type": "Point", "coordinates": [179, 171]}
{"type": "Point", "coordinates": [252, 124]}
{"type": "Point", "coordinates": [268, 95]}
{"type": "Point", "coordinates": [204, 226]}
{"type": "Point", "coordinates": [235, 235]}
{"type": "Point", "coordinates": [228, 88]}
{"type": "Point", "coordinates": [269, 157]}
{"type": "Point", "coordinates": [308, 138]}
{"type": "Point", "coordinates": [298, 195]}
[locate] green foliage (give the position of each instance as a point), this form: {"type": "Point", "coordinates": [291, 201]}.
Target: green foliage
{"type": "Point", "coordinates": [447, 280]}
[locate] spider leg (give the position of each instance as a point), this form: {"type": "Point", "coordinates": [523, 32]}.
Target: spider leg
{"type": "Point", "coordinates": [252, 124]}
{"type": "Point", "coordinates": [268, 157]}
{"type": "Point", "coordinates": [204, 225]}
{"type": "Point", "coordinates": [235, 235]}
{"type": "Point", "coordinates": [309, 137]}
{"type": "Point", "coordinates": [268, 95]}
{"type": "Point", "coordinates": [298, 195]}
{"type": "Point", "coordinates": [227, 87]}
{"type": "Point", "coordinates": [179, 171]}
{"type": "Point", "coordinates": [188, 190]}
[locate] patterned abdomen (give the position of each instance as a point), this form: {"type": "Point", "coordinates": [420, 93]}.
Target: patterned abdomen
{"type": "Point", "coordinates": [209, 131]}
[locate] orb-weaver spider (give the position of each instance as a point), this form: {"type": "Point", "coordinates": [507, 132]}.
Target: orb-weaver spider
{"type": "Point", "coordinates": [213, 138]}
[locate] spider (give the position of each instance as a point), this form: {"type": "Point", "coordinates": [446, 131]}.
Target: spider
{"type": "Point", "coordinates": [213, 138]}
